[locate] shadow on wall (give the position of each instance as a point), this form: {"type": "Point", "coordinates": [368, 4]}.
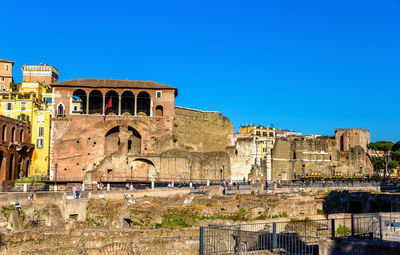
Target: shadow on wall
{"type": "Point", "coordinates": [360, 202]}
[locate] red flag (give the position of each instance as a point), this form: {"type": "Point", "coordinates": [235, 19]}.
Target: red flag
{"type": "Point", "coordinates": [109, 104]}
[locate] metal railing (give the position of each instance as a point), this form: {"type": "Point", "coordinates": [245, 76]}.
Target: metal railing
{"type": "Point", "coordinates": [295, 236]}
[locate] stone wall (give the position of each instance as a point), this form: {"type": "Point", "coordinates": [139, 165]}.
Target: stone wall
{"type": "Point", "coordinates": [202, 131]}
{"type": "Point", "coordinates": [242, 155]}
{"type": "Point", "coordinates": [347, 138]}
{"type": "Point", "coordinates": [307, 156]}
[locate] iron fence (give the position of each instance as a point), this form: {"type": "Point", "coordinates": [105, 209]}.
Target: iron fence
{"type": "Point", "coordinates": [295, 236]}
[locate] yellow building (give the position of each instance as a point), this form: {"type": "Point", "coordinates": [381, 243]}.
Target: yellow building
{"type": "Point", "coordinates": [31, 102]}
{"type": "Point", "coordinates": [261, 132]}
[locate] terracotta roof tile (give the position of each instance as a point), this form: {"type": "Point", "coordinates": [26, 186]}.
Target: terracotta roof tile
{"type": "Point", "coordinates": [111, 83]}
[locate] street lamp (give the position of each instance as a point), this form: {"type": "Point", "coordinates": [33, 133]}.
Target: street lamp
{"type": "Point", "coordinates": [190, 174]}
{"type": "Point", "coordinates": [131, 175]}
{"type": "Point", "coordinates": [55, 177]}
{"type": "Point", "coordinates": [221, 174]}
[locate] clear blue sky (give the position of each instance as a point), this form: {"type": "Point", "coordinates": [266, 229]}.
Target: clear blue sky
{"type": "Point", "coordinates": [309, 66]}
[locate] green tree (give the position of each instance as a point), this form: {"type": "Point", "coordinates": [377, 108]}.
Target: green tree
{"type": "Point", "coordinates": [393, 164]}
{"type": "Point", "coordinates": [386, 147]}
{"type": "Point", "coordinates": [377, 162]}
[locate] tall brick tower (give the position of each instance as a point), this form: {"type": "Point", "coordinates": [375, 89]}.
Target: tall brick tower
{"type": "Point", "coordinates": [40, 73]}
{"type": "Point", "coordinates": [350, 137]}
{"type": "Point", "coordinates": [5, 74]}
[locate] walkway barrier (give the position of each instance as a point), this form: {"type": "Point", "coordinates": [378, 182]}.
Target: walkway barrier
{"type": "Point", "coordinates": [295, 236]}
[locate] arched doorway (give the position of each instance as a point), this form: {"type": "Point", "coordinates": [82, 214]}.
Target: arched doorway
{"type": "Point", "coordinates": [95, 102]}
{"type": "Point", "coordinates": [19, 168]}
{"type": "Point", "coordinates": [159, 110]}
{"type": "Point", "coordinates": [1, 161]}
{"type": "Point", "coordinates": [112, 96]}
{"type": "Point", "coordinates": [60, 110]}
{"type": "Point", "coordinates": [21, 135]}
{"type": "Point", "coordinates": [143, 104]}
{"type": "Point", "coordinates": [79, 101]}
{"type": "Point", "coordinates": [11, 168]}
{"type": "Point", "coordinates": [127, 103]}
{"type": "Point", "coordinates": [28, 162]}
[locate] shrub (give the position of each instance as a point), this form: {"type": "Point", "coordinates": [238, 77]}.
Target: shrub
{"type": "Point", "coordinates": [320, 212]}
{"type": "Point", "coordinates": [343, 230]}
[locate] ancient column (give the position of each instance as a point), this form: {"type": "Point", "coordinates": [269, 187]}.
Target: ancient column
{"type": "Point", "coordinates": [119, 106]}
{"type": "Point", "coordinates": [104, 103]}
{"type": "Point", "coordinates": [135, 112]}
{"type": "Point", "coordinates": [151, 106]}
{"type": "Point", "coordinates": [87, 105]}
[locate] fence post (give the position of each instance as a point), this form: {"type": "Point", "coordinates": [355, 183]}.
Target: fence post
{"type": "Point", "coordinates": [274, 236]}
{"type": "Point", "coordinates": [352, 224]}
{"type": "Point", "coordinates": [333, 227]}
{"type": "Point", "coordinates": [380, 228]}
{"type": "Point", "coordinates": [201, 252]}
{"type": "Point", "coordinates": [239, 234]}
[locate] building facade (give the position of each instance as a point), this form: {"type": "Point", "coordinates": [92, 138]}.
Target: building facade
{"type": "Point", "coordinates": [15, 149]}
{"type": "Point", "coordinates": [346, 138]}
{"type": "Point", "coordinates": [6, 77]}
{"type": "Point", "coordinates": [43, 73]}
{"type": "Point", "coordinates": [118, 130]}
{"type": "Point", "coordinates": [31, 101]}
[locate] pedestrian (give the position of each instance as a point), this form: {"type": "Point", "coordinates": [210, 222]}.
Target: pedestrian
{"type": "Point", "coordinates": [127, 186]}
{"type": "Point", "coordinates": [266, 185]}
{"type": "Point", "coordinates": [78, 192]}
{"type": "Point", "coordinates": [74, 189]}
{"type": "Point", "coordinates": [244, 180]}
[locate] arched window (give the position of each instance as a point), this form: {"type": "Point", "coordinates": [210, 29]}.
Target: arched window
{"type": "Point", "coordinates": [60, 110]}
{"type": "Point", "coordinates": [113, 99]}
{"type": "Point", "coordinates": [127, 103]}
{"type": "Point", "coordinates": [143, 104]}
{"type": "Point", "coordinates": [4, 133]}
{"type": "Point", "coordinates": [95, 102]}
{"type": "Point", "coordinates": [134, 141]}
{"type": "Point", "coordinates": [79, 102]}
{"type": "Point", "coordinates": [21, 135]}
{"type": "Point", "coordinates": [159, 110]}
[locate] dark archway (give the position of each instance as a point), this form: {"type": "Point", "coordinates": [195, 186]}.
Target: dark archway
{"type": "Point", "coordinates": [95, 102]}
{"type": "Point", "coordinates": [159, 110]}
{"type": "Point", "coordinates": [143, 104]}
{"type": "Point", "coordinates": [134, 141]}
{"type": "Point", "coordinates": [4, 133]}
{"type": "Point", "coordinates": [128, 103]}
{"type": "Point", "coordinates": [28, 163]}
{"type": "Point", "coordinates": [1, 160]}
{"type": "Point", "coordinates": [11, 168]}
{"type": "Point", "coordinates": [79, 101]}
{"type": "Point", "coordinates": [60, 110]}
{"type": "Point", "coordinates": [21, 135]}
{"type": "Point", "coordinates": [113, 96]}
{"type": "Point", "coordinates": [112, 141]}
{"type": "Point", "coordinates": [13, 134]}
{"type": "Point", "coordinates": [19, 168]}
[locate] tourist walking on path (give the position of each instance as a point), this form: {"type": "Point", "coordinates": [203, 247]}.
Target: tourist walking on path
{"type": "Point", "coordinates": [74, 189]}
